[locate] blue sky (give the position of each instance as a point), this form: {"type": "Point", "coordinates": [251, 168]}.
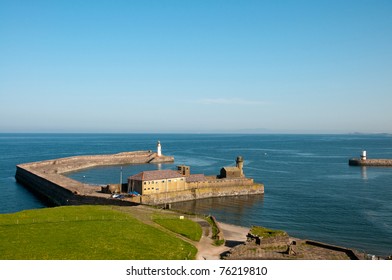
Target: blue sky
{"type": "Point", "coordinates": [196, 66]}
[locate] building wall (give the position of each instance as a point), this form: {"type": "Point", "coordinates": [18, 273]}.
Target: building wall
{"type": "Point", "coordinates": [230, 173]}
{"type": "Point", "coordinates": [134, 185]}
{"type": "Point", "coordinates": [184, 170]}
{"type": "Point", "coordinates": [157, 186]}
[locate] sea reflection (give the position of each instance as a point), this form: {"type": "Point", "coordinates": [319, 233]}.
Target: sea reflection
{"type": "Point", "coordinates": [364, 173]}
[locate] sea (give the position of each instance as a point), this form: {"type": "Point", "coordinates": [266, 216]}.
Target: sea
{"type": "Point", "coordinates": [310, 190]}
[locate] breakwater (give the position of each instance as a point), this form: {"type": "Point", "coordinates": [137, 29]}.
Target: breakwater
{"type": "Point", "coordinates": [370, 162]}
{"type": "Point", "coordinates": [47, 179]}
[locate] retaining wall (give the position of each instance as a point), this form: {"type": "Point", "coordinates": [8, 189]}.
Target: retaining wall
{"type": "Point", "coordinates": [350, 253]}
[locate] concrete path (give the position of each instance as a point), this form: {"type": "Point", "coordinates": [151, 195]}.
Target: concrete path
{"type": "Point", "coordinates": [234, 235]}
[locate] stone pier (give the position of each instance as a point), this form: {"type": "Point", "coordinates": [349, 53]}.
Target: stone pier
{"type": "Point", "coordinates": [370, 162]}
{"type": "Point", "coordinates": [47, 179]}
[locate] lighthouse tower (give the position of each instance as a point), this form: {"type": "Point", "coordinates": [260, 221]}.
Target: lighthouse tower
{"type": "Point", "coordinates": [159, 149]}
{"type": "Point", "coordinates": [363, 155]}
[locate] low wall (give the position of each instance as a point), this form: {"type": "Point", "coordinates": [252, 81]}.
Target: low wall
{"type": "Point", "coordinates": [350, 253]}
{"type": "Point", "coordinates": [219, 234]}
{"type": "Point", "coordinates": [71, 164]}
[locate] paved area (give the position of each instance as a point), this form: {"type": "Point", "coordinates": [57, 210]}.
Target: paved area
{"type": "Point", "coordinates": [234, 235]}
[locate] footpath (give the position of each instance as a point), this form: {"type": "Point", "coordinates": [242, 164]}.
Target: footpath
{"type": "Point", "coordinates": [234, 235]}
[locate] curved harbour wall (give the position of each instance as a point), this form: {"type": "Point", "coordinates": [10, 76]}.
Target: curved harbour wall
{"type": "Point", "coordinates": [47, 180]}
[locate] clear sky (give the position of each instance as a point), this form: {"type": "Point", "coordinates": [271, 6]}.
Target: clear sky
{"type": "Point", "coordinates": [196, 66]}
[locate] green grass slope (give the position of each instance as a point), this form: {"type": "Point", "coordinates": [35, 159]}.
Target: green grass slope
{"type": "Point", "coordinates": [85, 233]}
{"type": "Point", "coordinates": [185, 227]}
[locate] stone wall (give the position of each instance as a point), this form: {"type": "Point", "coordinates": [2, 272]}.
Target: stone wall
{"type": "Point", "coordinates": [52, 191]}
{"type": "Point", "coordinates": [71, 164]}
{"type": "Point", "coordinates": [219, 234]}
{"type": "Point", "coordinates": [199, 193]}
{"type": "Point", "coordinates": [350, 253]}
{"type": "Point", "coordinates": [221, 182]}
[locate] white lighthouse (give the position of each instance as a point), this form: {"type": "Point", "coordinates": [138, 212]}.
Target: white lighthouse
{"type": "Point", "coordinates": [159, 149]}
{"type": "Point", "coordinates": [363, 155]}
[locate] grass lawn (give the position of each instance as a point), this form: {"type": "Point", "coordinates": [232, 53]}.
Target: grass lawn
{"type": "Point", "coordinates": [185, 227]}
{"type": "Point", "coordinates": [85, 233]}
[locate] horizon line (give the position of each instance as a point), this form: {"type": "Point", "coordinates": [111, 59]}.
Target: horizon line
{"type": "Point", "coordinates": [203, 132]}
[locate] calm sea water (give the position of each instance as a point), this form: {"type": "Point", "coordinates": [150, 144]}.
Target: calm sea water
{"type": "Point", "coordinates": [310, 191]}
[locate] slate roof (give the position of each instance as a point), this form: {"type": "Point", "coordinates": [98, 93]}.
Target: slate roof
{"type": "Point", "coordinates": [156, 175]}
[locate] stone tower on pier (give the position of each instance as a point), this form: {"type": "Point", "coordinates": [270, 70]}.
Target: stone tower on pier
{"type": "Point", "coordinates": [240, 165]}
{"type": "Point", "coordinates": [233, 172]}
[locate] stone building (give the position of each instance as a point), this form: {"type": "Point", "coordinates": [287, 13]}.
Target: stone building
{"type": "Point", "coordinates": [156, 181]}
{"type": "Point", "coordinates": [163, 181]}
{"type": "Point", "coordinates": [233, 171]}
{"type": "Point", "coordinates": [184, 170]}
{"type": "Point", "coordinates": [230, 172]}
